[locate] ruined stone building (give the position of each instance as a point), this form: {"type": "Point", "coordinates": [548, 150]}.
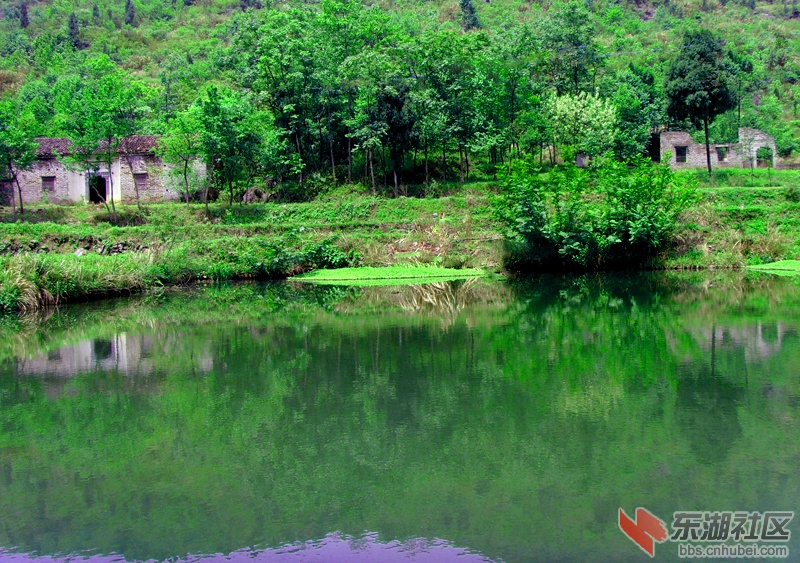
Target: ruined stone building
{"type": "Point", "coordinates": [137, 168]}
{"type": "Point", "coordinates": [683, 152]}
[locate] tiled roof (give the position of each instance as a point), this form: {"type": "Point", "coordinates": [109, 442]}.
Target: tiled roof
{"type": "Point", "coordinates": [138, 144]}
{"type": "Point", "coordinates": [135, 144]}
{"type": "Point", "coordinates": [49, 146]}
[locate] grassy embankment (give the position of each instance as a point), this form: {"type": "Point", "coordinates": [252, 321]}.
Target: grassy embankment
{"type": "Point", "coordinates": [175, 243]}
{"type": "Point", "coordinates": [743, 218]}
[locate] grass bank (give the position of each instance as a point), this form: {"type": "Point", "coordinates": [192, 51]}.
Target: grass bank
{"type": "Point", "coordinates": [174, 243]}
{"type": "Point", "coordinates": [730, 227]}
{"type": "Point", "coordinates": [30, 281]}
{"type": "Point", "coordinates": [734, 227]}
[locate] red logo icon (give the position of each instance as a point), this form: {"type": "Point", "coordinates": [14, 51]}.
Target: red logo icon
{"type": "Point", "coordinates": [644, 531]}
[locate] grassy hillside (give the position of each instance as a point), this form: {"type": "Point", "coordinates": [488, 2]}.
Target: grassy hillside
{"type": "Point", "coordinates": [177, 48]}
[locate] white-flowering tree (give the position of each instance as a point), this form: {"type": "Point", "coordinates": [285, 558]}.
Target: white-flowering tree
{"type": "Point", "coordinates": [586, 122]}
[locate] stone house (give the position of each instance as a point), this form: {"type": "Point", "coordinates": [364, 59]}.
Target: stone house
{"type": "Point", "coordinates": [683, 152]}
{"type": "Point", "coordinates": [137, 168]}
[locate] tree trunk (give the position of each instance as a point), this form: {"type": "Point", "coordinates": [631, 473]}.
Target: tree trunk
{"type": "Point", "coordinates": [300, 154]}
{"type": "Point", "coordinates": [209, 179]}
{"type": "Point", "coordinates": [349, 141]}
{"type": "Point", "coordinates": [426, 164]}
{"type": "Point", "coordinates": [333, 161]}
{"type": "Point", "coordinates": [372, 171]}
{"type": "Point", "coordinates": [111, 186]}
{"type": "Point", "coordinates": [19, 189]}
{"type": "Point", "coordinates": [13, 197]}
{"type": "Point", "coordinates": [135, 186]}
{"type": "Point", "coordinates": [383, 164]}
{"type": "Point", "coordinates": [444, 161]}
{"type": "Point", "coordinates": [708, 147]}
{"type": "Point", "coordinates": [186, 179]}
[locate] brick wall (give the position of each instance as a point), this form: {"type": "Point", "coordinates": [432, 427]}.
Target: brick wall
{"type": "Point", "coordinates": [151, 174]}
{"type": "Point", "coordinates": [31, 182]}
{"type": "Point", "coordinates": [737, 155]}
{"type": "Point", "coordinates": [49, 180]}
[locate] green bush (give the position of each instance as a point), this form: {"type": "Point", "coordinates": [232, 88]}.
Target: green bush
{"type": "Point", "coordinates": [615, 214]}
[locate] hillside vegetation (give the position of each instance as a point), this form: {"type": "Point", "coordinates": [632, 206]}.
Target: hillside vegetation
{"type": "Point", "coordinates": [391, 94]}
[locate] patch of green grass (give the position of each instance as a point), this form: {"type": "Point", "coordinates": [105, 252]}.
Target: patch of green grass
{"type": "Point", "coordinates": [744, 178]}
{"type": "Point", "coordinates": [781, 268]}
{"type": "Point", "coordinates": [388, 275]}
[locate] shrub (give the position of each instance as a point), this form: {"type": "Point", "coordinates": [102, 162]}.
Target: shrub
{"type": "Point", "coordinates": [615, 214]}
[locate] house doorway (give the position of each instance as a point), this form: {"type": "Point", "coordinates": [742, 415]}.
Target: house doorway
{"type": "Point", "coordinates": [653, 149]}
{"type": "Point", "coordinates": [97, 189]}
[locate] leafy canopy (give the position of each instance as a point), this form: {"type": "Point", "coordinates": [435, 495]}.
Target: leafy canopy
{"type": "Point", "coordinates": [698, 82]}
{"type": "Point", "coordinates": [617, 214]}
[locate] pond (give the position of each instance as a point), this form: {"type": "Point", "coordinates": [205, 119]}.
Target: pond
{"type": "Point", "coordinates": [473, 420]}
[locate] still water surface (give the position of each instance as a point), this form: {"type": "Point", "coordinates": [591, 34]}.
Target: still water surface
{"type": "Point", "coordinates": [460, 421]}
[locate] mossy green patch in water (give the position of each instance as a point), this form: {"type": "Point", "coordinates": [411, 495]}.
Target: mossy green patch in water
{"type": "Point", "coordinates": [388, 275]}
{"type": "Point", "coordinates": [782, 268]}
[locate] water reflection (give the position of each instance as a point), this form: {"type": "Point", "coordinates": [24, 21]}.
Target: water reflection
{"type": "Point", "coordinates": [511, 418]}
{"type": "Point", "coordinates": [334, 547]}
{"type": "Point", "coordinates": [129, 354]}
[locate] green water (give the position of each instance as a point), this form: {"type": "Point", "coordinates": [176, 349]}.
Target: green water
{"type": "Point", "coordinates": [512, 420]}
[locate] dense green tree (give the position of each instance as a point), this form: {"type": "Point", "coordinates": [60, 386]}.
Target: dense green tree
{"type": "Point", "coordinates": [23, 16]}
{"type": "Point", "coordinates": [182, 145]}
{"type": "Point", "coordinates": [74, 30]}
{"type": "Point", "coordinates": [98, 106]}
{"type": "Point", "coordinates": [569, 55]}
{"type": "Point", "coordinates": [469, 16]}
{"type": "Point", "coordinates": [383, 89]}
{"type": "Point", "coordinates": [17, 145]}
{"type": "Point", "coordinates": [617, 214]}
{"type": "Point", "coordinates": [231, 138]}
{"type": "Point", "coordinates": [640, 106]}
{"type": "Point", "coordinates": [130, 13]}
{"type": "Point", "coordinates": [698, 83]}
{"type": "Point", "coordinates": [585, 122]}
{"type": "Point", "coordinates": [743, 78]}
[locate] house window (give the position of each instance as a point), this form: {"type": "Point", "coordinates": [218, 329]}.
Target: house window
{"type": "Point", "coordinates": [48, 184]}
{"type": "Point", "coordinates": [140, 182]}
{"type": "Point", "coordinates": [722, 154]}
{"type": "Point", "coordinates": [680, 154]}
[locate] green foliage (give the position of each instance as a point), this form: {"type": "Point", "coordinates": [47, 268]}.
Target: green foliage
{"type": "Point", "coordinates": [585, 122]}
{"type": "Point", "coordinates": [181, 146]}
{"type": "Point", "coordinates": [17, 146]}
{"type": "Point", "coordinates": [698, 83]}
{"type": "Point", "coordinates": [232, 139]}
{"type": "Point", "coordinates": [391, 93]}
{"type": "Point", "coordinates": [469, 17]}
{"type": "Point", "coordinates": [613, 215]}
{"type": "Point", "coordinates": [130, 13]}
